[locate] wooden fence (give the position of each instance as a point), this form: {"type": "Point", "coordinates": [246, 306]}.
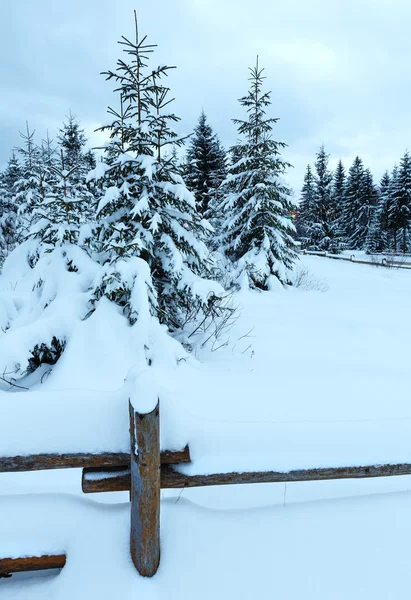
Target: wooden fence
{"type": "Point", "coordinates": [144, 472]}
{"type": "Point", "coordinates": [384, 261]}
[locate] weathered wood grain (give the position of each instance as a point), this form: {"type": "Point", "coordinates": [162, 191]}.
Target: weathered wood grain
{"type": "Point", "coordinates": [8, 566]}
{"type": "Point", "coordinates": [145, 490]}
{"type": "Point", "coordinates": [113, 479]}
{"type": "Point", "coordinates": [172, 479]}
{"type": "Point", "coordinates": [39, 462]}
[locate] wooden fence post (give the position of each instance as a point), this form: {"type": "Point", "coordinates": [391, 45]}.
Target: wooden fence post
{"type": "Point", "coordinates": [145, 490]}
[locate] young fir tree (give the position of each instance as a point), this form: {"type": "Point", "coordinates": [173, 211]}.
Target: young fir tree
{"type": "Point", "coordinates": [304, 218]}
{"type": "Point", "coordinates": [205, 165]}
{"type": "Point", "coordinates": [8, 207]}
{"type": "Point", "coordinates": [59, 218]}
{"type": "Point", "coordinates": [148, 227]}
{"type": "Point", "coordinates": [255, 233]}
{"type": "Point", "coordinates": [11, 175]}
{"type": "Point", "coordinates": [72, 141]}
{"type": "Point", "coordinates": [31, 187]}
{"type": "Point", "coordinates": [7, 220]}
{"type": "Point", "coordinates": [401, 202]}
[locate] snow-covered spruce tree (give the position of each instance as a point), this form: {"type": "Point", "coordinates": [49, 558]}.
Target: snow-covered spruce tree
{"type": "Point", "coordinates": [304, 218]}
{"type": "Point", "coordinates": [31, 187]}
{"type": "Point", "coordinates": [325, 227]}
{"type": "Point", "coordinates": [400, 209]}
{"type": "Point", "coordinates": [359, 205]}
{"type": "Point", "coordinates": [149, 230]}
{"type": "Point", "coordinates": [382, 214]}
{"type": "Point", "coordinates": [78, 161]}
{"type": "Point", "coordinates": [53, 271]}
{"type": "Point", "coordinates": [8, 209]}
{"type": "Point", "coordinates": [338, 191]}
{"type": "Point", "coordinates": [64, 209]}
{"type": "Point", "coordinates": [205, 165]}
{"type": "Point", "coordinates": [255, 232]}
{"type": "Point", "coordinates": [378, 233]}
{"type": "Point", "coordinates": [392, 222]}
{"type": "Point", "coordinates": [72, 141]}
{"type": "Point", "coordinates": [367, 216]}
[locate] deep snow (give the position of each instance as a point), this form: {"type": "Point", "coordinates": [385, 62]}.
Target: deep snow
{"type": "Point", "coordinates": [320, 378]}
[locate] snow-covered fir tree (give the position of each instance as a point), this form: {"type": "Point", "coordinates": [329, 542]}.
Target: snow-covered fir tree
{"type": "Point", "coordinates": [325, 218]}
{"type": "Point", "coordinates": [8, 208]}
{"type": "Point", "coordinates": [255, 232]}
{"type": "Point", "coordinates": [392, 224]}
{"type": "Point", "coordinates": [378, 233]}
{"type": "Point", "coordinates": [59, 217]}
{"type": "Point", "coordinates": [338, 191]}
{"type": "Point", "coordinates": [369, 213]}
{"type": "Point", "coordinates": [304, 218]}
{"type": "Point", "coordinates": [359, 204]}
{"type": "Point", "coordinates": [31, 187]}
{"type": "Point", "coordinates": [205, 165]}
{"type": "Point", "coordinates": [72, 141]}
{"type": "Point", "coordinates": [149, 231]}
{"type": "Point", "coordinates": [78, 161]}
{"type": "Point", "coordinates": [401, 202]}
{"type": "Point", "coordinates": [383, 214]}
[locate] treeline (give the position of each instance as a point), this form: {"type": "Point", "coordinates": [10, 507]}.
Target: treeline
{"type": "Point", "coordinates": [347, 210]}
{"type": "Point", "coordinates": [41, 177]}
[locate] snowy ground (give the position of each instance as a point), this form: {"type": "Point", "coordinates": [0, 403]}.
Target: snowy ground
{"type": "Point", "coordinates": [320, 379]}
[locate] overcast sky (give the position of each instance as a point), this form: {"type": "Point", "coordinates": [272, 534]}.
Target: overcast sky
{"type": "Point", "coordinates": [339, 71]}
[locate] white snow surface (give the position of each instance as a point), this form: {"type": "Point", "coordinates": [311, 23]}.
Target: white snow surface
{"type": "Point", "coordinates": [308, 378]}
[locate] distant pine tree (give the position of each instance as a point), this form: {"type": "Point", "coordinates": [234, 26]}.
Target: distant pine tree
{"type": "Point", "coordinates": [305, 212]}
{"type": "Point", "coordinates": [338, 191]}
{"type": "Point", "coordinates": [392, 221]}
{"type": "Point", "coordinates": [378, 233]}
{"type": "Point", "coordinates": [367, 218]}
{"type": "Point", "coordinates": [11, 174]}
{"type": "Point", "coordinates": [7, 208]}
{"type": "Point", "coordinates": [318, 215]}
{"type": "Point", "coordinates": [72, 141]}
{"type": "Point", "coordinates": [355, 210]}
{"type": "Point", "coordinates": [255, 233]}
{"type": "Point", "coordinates": [31, 187]}
{"type": "Point", "coordinates": [401, 201]}
{"type": "Point", "coordinates": [205, 165]}
{"type": "Point", "coordinates": [324, 215]}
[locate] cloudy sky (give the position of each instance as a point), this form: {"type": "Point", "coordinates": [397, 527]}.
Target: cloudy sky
{"type": "Point", "coordinates": [339, 70]}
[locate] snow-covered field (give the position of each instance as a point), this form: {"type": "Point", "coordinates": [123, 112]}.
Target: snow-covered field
{"type": "Point", "coordinates": [311, 376]}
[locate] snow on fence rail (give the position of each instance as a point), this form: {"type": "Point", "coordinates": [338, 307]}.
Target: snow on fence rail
{"type": "Point", "coordinates": [145, 470]}
{"type": "Point", "coordinates": [384, 262]}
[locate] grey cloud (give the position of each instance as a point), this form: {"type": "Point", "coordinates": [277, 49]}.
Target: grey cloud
{"type": "Point", "coordinates": [338, 71]}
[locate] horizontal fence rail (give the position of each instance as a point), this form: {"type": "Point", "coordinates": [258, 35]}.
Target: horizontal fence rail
{"type": "Point", "coordinates": [101, 480]}
{"type": "Point", "coordinates": [8, 566]}
{"type": "Point", "coordinates": [40, 462]}
{"type": "Point", "coordinates": [383, 263]}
